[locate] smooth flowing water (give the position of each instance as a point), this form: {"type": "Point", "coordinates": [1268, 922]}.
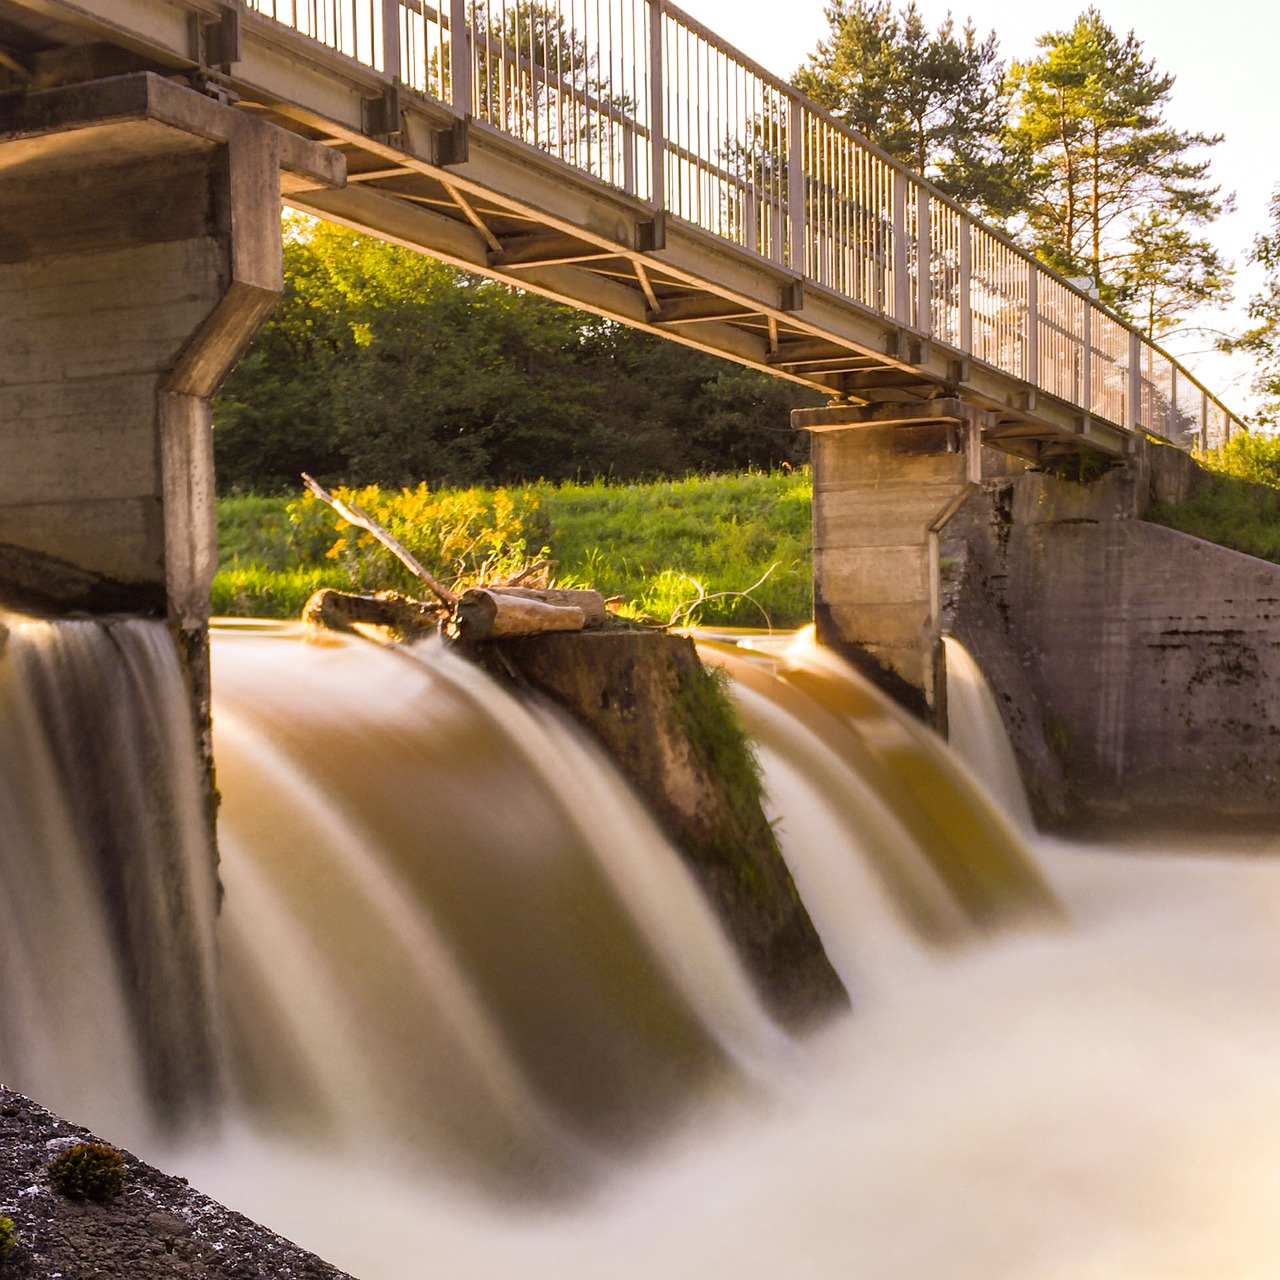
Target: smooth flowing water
{"type": "Point", "coordinates": [475, 1019]}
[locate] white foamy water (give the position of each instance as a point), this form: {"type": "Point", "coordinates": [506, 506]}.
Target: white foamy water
{"type": "Point", "coordinates": [1098, 1101]}
{"type": "Point", "coordinates": [977, 734]}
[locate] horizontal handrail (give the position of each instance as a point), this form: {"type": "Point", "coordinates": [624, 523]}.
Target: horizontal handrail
{"type": "Point", "coordinates": [643, 96]}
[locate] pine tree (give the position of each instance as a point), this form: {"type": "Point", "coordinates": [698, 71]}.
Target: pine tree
{"type": "Point", "coordinates": [932, 101]}
{"type": "Point", "coordinates": [1114, 191]}
{"type": "Point", "coordinates": [1262, 341]}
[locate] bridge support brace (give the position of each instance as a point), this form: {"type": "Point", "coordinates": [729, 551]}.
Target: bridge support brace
{"type": "Point", "coordinates": [139, 253]}
{"type": "Point", "coordinates": [886, 479]}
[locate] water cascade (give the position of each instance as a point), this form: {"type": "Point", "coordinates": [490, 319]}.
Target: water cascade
{"type": "Point", "coordinates": [977, 735]}
{"type": "Point", "coordinates": [472, 1016]}
{"type": "Point", "coordinates": [107, 919]}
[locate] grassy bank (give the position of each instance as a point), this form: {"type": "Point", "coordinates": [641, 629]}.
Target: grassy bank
{"type": "Point", "coordinates": [680, 549]}
{"type": "Point", "coordinates": [1239, 505]}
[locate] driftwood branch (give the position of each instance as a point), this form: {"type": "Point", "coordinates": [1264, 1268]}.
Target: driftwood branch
{"type": "Point", "coordinates": [353, 515]}
{"type": "Point", "coordinates": [479, 614]}
{"type": "Point", "coordinates": [536, 567]}
{"type": "Point", "coordinates": [684, 611]}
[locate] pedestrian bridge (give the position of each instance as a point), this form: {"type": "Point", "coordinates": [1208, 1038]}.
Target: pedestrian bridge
{"type": "Point", "coordinates": [618, 156]}
{"type": "Point", "coordinates": [611, 154]}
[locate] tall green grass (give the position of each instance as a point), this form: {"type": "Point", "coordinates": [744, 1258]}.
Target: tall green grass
{"type": "Point", "coordinates": [1238, 506]}
{"type": "Point", "coordinates": [677, 550]}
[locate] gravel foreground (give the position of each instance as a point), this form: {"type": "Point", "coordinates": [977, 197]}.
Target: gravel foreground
{"type": "Point", "coordinates": [157, 1227]}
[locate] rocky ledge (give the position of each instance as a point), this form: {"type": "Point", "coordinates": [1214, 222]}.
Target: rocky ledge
{"type": "Point", "coordinates": [157, 1226]}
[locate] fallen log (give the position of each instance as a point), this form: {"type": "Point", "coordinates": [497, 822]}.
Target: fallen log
{"type": "Point", "coordinates": [487, 613]}
{"type": "Point", "coordinates": [334, 610]}
{"type": "Point", "coordinates": [594, 613]}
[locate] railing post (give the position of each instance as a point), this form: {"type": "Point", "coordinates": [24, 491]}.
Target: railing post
{"type": "Point", "coordinates": [901, 277]}
{"type": "Point", "coordinates": [924, 263]}
{"type": "Point", "coordinates": [391, 40]}
{"type": "Point", "coordinates": [795, 187]}
{"type": "Point", "coordinates": [1031, 360]}
{"type": "Point", "coordinates": [657, 108]}
{"type": "Point", "coordinates": [1086, 373]}
{"type": "Point", "coordinates": [630, 141]}
{"type": "Point", "coordinates": [966, 285]}
{"type": "Point", "coordinates": [460, 58]}
{"type": "Point", "coordinates": [1135, 382]}
{"type": "Point", "coordinates": [1204, 422]}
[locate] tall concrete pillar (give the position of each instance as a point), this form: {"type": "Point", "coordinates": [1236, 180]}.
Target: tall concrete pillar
{"type": "Point", "coordinates": [139, 253]}
{"type": "Point", "coordinates": [886, 478]}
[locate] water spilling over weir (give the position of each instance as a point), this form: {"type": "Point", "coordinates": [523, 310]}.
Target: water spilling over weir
{"type": "Point", "coordinates": [468, 1012]}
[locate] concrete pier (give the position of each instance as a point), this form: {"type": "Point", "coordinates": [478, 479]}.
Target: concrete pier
{"type": "Point", "coordinates": [886, 479]}
{"type": "Point", "coordinates": [139, 253]}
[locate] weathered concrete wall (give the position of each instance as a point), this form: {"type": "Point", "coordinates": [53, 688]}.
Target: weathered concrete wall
{"type": "Point", "coordinates": [878, 492]}
{"type": "Point", "coordinates": [139, 252]}
{"type": "Point", "coordinates": [88, 336]}
{"type": "Point", "coordinates": [1138, 668]}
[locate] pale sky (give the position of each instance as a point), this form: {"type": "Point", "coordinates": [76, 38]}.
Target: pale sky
{"type": "Point", "coordinates": [1223, 53]}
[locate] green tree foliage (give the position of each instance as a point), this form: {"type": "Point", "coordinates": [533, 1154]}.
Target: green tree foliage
{"type": "Point", "coordinates": [1113, 190]}
{"type": "Point", "coordinates": [932, 100]}
{"type": "Point", "coordinates": [1262, 340]}
{"type": "Point", "coordinates": [383, 366]}
{"type": "Point", "coordinates": [536, 76]}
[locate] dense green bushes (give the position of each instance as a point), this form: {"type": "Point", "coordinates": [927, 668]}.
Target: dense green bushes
{"type": "Point", "coordinates": [384, 366]}
{"type": "Point", "coordinates": [1239, 506]}
{"type": "Point", "coordinates": [677, 549]}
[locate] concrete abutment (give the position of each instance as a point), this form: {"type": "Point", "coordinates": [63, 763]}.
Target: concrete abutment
{"type": "Point", "coordinates": [886, 479]}
{"type": "Point", "coordinates": [1135, 667]}
{"type": "Point", "coordinates": [140, 252]}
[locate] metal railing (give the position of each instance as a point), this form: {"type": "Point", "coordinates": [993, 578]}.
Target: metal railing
{"type": "Point", "coordinates": [642, 96]}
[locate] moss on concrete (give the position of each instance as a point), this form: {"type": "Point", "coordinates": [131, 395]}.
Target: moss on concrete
{"type": "Point", "coordinates": [671, 728]}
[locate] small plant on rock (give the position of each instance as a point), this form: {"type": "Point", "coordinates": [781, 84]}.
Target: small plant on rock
{"type": "Point", "coordinates": [88, 1171]}
{"type": "Point", "coordinates": [8, 1237]}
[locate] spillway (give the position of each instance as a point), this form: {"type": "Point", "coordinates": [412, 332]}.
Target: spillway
{"type": "Point", "coordinates": [463, 1009]}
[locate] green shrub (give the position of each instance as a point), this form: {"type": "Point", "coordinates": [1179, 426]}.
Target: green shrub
{"type": "Point", "coordinates": [1248, 457]}
{"type": "Point", "coordinates": [689, 551]}
{"type": "Point", "coordinates": [1082, 465]}
{"type": "Point", "coordinates": [88, 1171]}
{"type": "Point", "coordinates": [1238, 505]}
{"type": "Point", "coordinates": [8, 1237]}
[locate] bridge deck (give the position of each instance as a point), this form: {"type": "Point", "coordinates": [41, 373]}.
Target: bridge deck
{"type": "Point", "coordinates": [617, 156]}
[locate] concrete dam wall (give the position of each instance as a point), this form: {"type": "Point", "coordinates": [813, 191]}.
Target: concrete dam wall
{"type": "Point", "coordinates": [1136, 667]}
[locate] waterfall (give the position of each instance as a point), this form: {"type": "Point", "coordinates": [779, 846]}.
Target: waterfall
{"type": "Point", "coordinates": [107, 917]}
{"type": "Point", "coordinates": [977, 733]}
{"type": "Point", "coordinates": [474, 937]}
{"type": "Point", "coordinates": [463, 1008]}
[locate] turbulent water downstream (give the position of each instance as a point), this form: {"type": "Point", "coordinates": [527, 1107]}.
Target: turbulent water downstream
{"type": "Point", "coordinates": [465, 1013]}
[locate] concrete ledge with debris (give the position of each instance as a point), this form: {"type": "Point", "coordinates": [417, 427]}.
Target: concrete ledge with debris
{"type": "Point", "coordinates": [156, 1227]}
